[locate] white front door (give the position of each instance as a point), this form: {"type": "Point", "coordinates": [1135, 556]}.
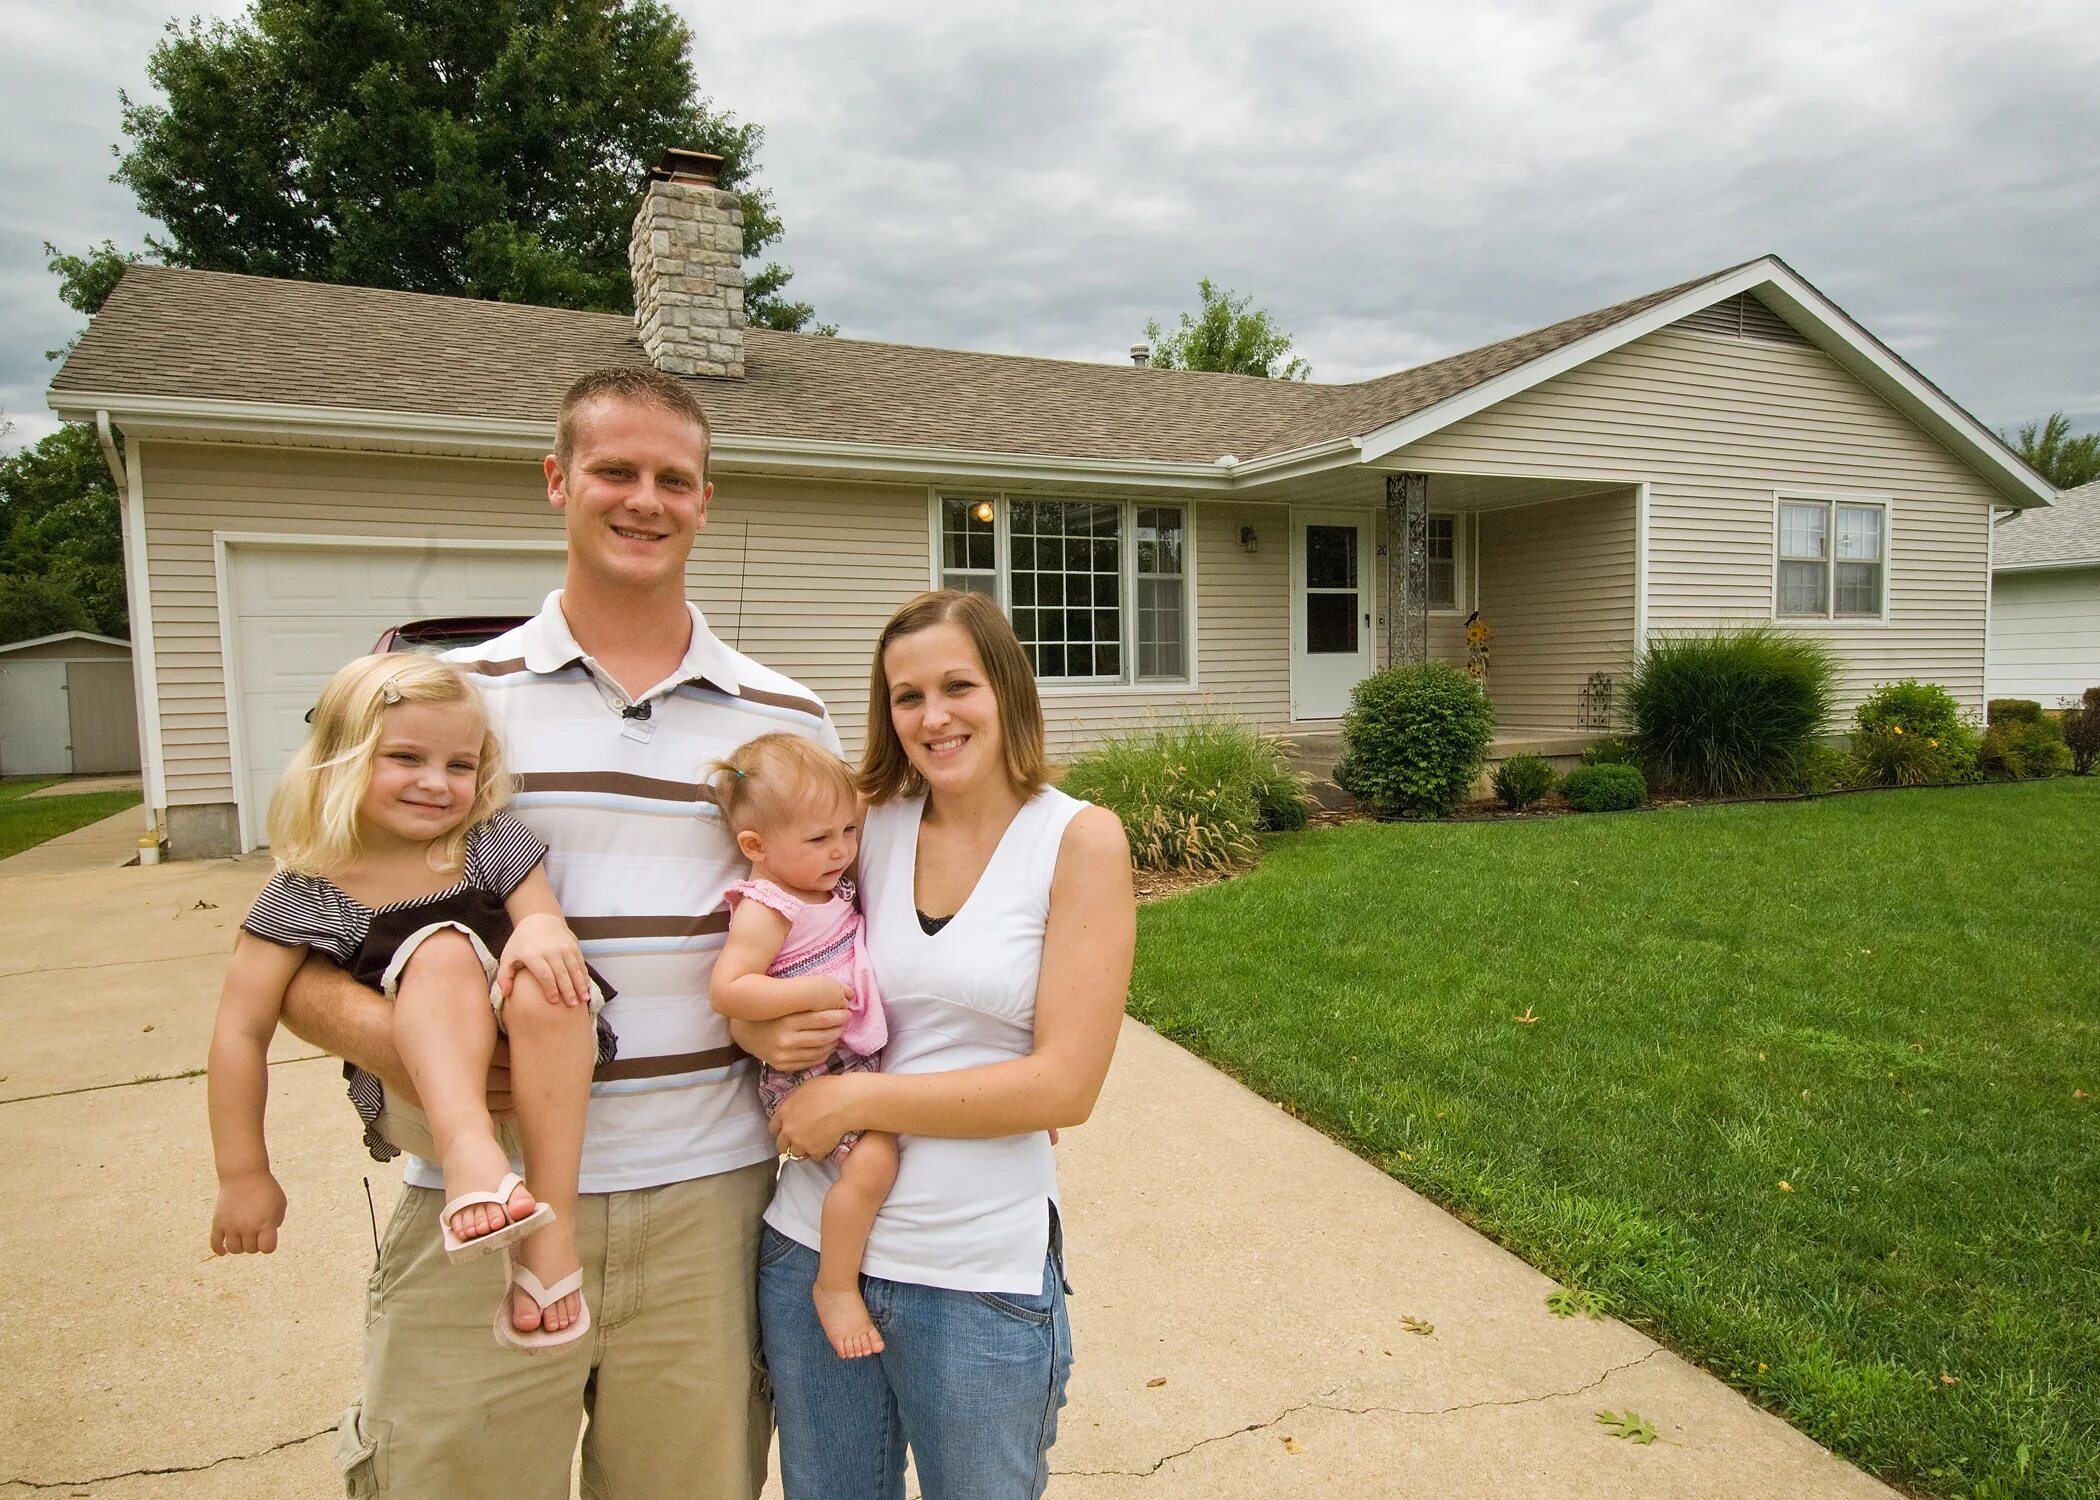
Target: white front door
{"type": "Point", "coordinates": [296, 613]}
{"type": "Point", "coordinates": [1333, 572]}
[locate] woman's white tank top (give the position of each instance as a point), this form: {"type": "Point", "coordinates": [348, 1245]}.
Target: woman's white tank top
{"type": "Point", "coordinates": [968, 1215]}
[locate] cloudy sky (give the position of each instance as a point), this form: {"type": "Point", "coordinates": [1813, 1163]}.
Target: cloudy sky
{"type": "Point", "coordinates": [1392, 181]}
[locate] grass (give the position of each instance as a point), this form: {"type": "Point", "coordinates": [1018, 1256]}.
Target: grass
{"type": "Point", "coordinates": [1799, 1097]}
{"type": "Point", "coordinates": [27, 821]}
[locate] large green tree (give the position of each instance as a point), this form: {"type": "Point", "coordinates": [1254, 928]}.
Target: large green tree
{"type": "Point", "coordinates": [2065, 461]}
{"type": "Point", "coordinates": [1228, 335]}
{"type": "Point", "coordinates": [61, 560]}
{"type": "Point", "coordinates": [479, 148]}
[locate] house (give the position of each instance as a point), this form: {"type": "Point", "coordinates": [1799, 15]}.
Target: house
{"type": "Point", "coordinates": [305, 465]}
{"type": "Point", "coordinates": [68, 706]}
{"type": "Point", "coordinates": [2045, 601]}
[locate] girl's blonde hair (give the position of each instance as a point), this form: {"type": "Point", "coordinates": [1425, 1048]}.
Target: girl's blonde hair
{"type": "Point", "coordinates": [886, 772]}
{"type": "Point", "coordinates": [313, 815]}
{"type": "Point", "coordinates": [764, 779]}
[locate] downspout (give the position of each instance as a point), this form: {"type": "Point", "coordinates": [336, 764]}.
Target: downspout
{"type": "Point", "coordinates": [145, 677]}
{"type": "Point", "coordinates": [1990, 587]}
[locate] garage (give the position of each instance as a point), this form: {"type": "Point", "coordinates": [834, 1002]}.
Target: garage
{"type": "Point", "coordinates": [292, 612]}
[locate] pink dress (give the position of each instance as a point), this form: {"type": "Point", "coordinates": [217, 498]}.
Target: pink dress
{"type": "Point", "coordinates": [823, 938]}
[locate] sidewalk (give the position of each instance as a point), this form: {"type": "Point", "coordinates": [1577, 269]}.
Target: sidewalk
{"type": "Point", "coordinates": [1218, 1246]}
{"type": "Point", "coordinates": [98, 846]}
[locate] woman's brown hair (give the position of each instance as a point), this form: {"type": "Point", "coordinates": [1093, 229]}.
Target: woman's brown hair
{"type": "Point", "coordinates": [886, 772]}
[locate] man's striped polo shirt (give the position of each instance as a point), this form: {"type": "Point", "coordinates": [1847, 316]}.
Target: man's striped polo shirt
{"type": "Point", "coordinates": [640, 860]}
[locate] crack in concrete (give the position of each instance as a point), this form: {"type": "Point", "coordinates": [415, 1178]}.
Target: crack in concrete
{"type": "Point", "coordinates": [114, 963]}
{"type": "Point", "coordinates": [1323, 1403]}
{"type": "Point", "coordinates": [132, 1083]}
{"type": "Point", "coordinates": [231, 1458]}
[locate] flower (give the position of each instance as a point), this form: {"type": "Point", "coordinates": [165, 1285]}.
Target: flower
{"type": "Point", "coordinates": [1898, 728]}
{"type": "Point", "coordinates": [1935, 744]}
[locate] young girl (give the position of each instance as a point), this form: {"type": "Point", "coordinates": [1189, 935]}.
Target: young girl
{"type": "Point", "coordinates": [795, 945]}
{"type": "Point", "coordinates": [396, 861]}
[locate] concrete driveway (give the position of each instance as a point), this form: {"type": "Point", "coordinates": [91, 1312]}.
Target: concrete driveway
{"type": "Point", "coordinates": [1242, 1282]}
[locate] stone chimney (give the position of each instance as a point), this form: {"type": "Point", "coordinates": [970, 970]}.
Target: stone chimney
{"type": "Point", "coordinates": [687, 258]}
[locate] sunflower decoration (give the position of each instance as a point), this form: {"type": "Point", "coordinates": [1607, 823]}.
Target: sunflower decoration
{"type": "Point", "coordinates": [1478, 633]}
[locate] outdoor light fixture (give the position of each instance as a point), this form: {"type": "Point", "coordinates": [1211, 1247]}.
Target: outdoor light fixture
{"type": "Point", "coordinates": [1247, 537]}
{"type": "Point", "coordinates": [983, 512]}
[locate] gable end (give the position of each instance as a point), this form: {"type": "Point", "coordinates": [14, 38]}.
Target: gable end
{"type": "Point", "coordinates": [1742, 316]}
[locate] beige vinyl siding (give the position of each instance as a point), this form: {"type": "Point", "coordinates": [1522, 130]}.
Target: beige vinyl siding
{"type": "Point", "coordinates": [2045, 634]}
{"type": "Point", "coordinates": [1556, 583]}
{"type": "Point", "coordinates": [1717, 425]}
{"type": "Point", "coordinates": [821, 565]}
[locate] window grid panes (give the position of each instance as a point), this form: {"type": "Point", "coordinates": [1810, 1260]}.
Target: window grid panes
{"type": "Point", "coordinates": [1443, 562]}
{"type": "Point", "coordinates": [1162, 653]}
{"type": "Point", "coordinates": [1833, 560]}
{"type": "Point", "coordinates": [1065, 573]}
{"type": "Point", "coordinates": [969, 547]}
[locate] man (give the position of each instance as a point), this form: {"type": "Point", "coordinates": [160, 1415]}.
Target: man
{"type": "Point", "coordinates": [615, 699]}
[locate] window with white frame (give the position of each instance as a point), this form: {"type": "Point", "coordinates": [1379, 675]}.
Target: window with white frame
{"type": "Point", "coordinates": [1097, 589]}
{"type": "Point", "coordinates": [1833, 560]}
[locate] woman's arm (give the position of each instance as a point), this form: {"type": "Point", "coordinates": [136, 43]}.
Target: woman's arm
{"type": "Point", "coordinates": [742, 990]}
{"type": "Point", "coordinates": [251, 1204]}
{"type": "Point", "coordinates": [1087, 951]}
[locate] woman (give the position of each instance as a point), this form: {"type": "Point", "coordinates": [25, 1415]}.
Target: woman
{"type": "Point", "coordinates": [1001, 923]}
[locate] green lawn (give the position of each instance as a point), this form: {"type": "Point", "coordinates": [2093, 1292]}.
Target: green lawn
{"type": "Point", "coordinates": [1799, 1098]}
{"type": "Point", "coordinates": [27, 821]}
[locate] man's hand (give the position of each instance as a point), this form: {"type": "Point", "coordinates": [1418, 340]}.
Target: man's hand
{"type": "Point", "coordinates": [245, 1219]}
{"type": "Point", "coordinates": [792, 1043]}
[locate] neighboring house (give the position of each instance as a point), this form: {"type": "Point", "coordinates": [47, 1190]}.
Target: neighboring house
{"type": "Point", "coordinates": [2045, 601]}
{"type": "Point", "coordinates": [307, 464]}
{"type": "Point", "coordinates": [68, 706]}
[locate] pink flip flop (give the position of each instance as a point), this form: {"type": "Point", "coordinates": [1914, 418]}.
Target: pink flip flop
{"type": "Point", "coordinates": [483, 1244]}
{"type": "Point", "coordinates": [537, 1342]}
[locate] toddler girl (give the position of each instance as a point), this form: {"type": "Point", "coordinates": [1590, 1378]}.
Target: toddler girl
{"type": "Point", "coordinates": [795, 945]}
{"type": "Point", "coordinates": [396, 861]}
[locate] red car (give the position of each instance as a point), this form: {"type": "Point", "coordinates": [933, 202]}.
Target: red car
{"type": "Point", "coordinates": [432, 637]}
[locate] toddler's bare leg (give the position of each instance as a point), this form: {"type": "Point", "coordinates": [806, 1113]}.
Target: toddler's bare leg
{"type": "Point", "coordinates": [870, 1171]}
{"type": "Point", "coordinates": [552, 1050]}
{"type": "Point", "coordinates": [445, 1033]}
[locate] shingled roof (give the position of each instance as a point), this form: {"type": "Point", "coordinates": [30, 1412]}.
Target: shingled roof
{"type": "Point", "coordinates": [206, 335]}
{"type": "Point", "coordinates": [2066, 533]}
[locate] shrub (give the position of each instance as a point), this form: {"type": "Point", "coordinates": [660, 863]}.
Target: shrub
{"type": "Point", "coordinates": [1731, 711]}
{"type": "Point", "coordinates": [1609, 751]}
{"type": "Point", "coordinates": [2014, 749]}
{"type": "Point", "coordinates": [1608, 788]}
{"type": "Point", "coordinates": [2082, 733]}
{"type": "Point", "coordinates": [1414, 738]}
{"type": "Point", "coordinates": [1192, 795]}
{"type": "Point", "coordinates": [2012, 711]}
{"type": "Point", "coordinates": [1829, 769]}
{"type": "Point", "coordinates": [1912, 733]}
{"type": "Point", "coordinates": [1522, 780]}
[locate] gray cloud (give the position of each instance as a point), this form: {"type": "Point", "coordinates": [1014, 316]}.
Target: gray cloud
{"type": "Point", "coordinates": [1393, 183]}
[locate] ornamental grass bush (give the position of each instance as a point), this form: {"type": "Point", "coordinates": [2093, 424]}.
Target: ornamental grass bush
{"type": "Point", "coordinates": [1193, 795]}
{"type": "Point", "coordinates": [1414, 739]}
{"type": "Point", "coordinates": [1522, 780]}
{"type": "Point", "coordinates": [2015, 749]}
{"type": "Point", "coordinates": [1609, 751]}
{"type": "Point", "coordinates": [1605, 788]}
{"type": "Point", "coordinates": [2082, 733]}
{"type": "Point", "coordinates": [1731, 711]}
{"type": "Point", "coordinates": [1912, 733]}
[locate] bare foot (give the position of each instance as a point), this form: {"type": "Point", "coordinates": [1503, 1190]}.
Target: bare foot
{"type": "Point", "coordinates": [479, 1165]}
{"type": "Point", "coordinates": [549, 1255]}
{"type": "Point", "coordinates": [852, 1332]}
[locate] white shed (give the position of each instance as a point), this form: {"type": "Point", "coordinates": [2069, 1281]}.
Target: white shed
{"type": "Point", "coordinates": [68, 706]}
{"type": "Point", "coordinates": [2045, 601]}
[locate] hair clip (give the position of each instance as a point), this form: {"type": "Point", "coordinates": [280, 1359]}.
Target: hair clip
{"type": "Point", "coordinates": [739, 775]}
{"type": "Point", "coordinates": [388, 693]}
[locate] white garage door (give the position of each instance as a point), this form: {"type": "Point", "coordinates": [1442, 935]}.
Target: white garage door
{"type": "Point", "coordinates": [298, 613]}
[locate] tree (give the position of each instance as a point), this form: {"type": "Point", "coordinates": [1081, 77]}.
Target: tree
{"type": "Point", "coordinates": [490, 149]}
{"type": "Point", "coordinates": [2063, 460]}
{"type": "Point", "coordinates": [61, 553]}
{"type": "Point", "coordinates": [1226, 337]}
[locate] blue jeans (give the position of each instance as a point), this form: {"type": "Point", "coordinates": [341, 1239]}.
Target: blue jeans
{"type": "Point", "coordinates": [971, 1381]}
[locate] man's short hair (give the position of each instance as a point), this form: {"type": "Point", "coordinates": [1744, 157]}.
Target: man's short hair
{"type": "Point", "coordinates": [643, 384]}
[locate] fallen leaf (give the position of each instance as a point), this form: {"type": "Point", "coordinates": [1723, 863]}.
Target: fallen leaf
{"type": "Point", "coordinates": [1917, 1046]}
{"type": "Point", "coordinates": [2078, 1093]}
{"type": "Point", "coordinates": [1760, 1057]}
{"type": "Point", "coordinates": [1785, 1186]}
{"type": "Point", "coordinates": [1527, 1019]}
{"type": "Point", "coordinates": [1762, 1367]}
{"type": "Point", "coordinates": [1418, 1325]}
{"type": "Point", "coordinates": [205, 906]}
{"type": "Point", "coordinates": [1946, 1379]}
{"type": "Point", "coordinates": [1630, 1425]}
{"type": "Point", "coordinates": [1155, 1382]}
{"type": "Point", "coordinates": [1292, 1445]}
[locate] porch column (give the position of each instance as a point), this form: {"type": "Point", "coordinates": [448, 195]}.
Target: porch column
{"type": "Point", "coordinates": [1406, 569]}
